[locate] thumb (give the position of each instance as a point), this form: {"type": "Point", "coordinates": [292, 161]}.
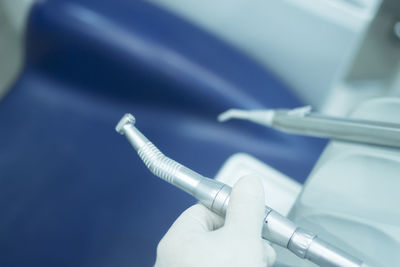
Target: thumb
{"type": "Point", "coordinates": [246, 208]}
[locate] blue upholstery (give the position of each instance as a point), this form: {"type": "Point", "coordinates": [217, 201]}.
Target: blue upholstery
{"type": "Point", "coordinates": [72, 191]}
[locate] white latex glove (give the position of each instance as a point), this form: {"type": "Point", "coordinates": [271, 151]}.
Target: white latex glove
{"type": "Point", "coordinates": [199, 238]}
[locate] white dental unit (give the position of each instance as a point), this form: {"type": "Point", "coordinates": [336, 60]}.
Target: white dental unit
{"type": "Point", "coordinates": [343, 58]}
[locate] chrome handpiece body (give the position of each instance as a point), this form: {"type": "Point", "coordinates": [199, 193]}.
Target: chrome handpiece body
{"type": "Point", "coordinates": [215, 196]}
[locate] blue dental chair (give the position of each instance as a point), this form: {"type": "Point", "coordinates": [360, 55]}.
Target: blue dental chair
{"type": "Point", "coordinates": [72, 191]}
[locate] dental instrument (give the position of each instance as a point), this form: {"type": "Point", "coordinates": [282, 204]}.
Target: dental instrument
{"type": "Point", "coordinates": [215, 196]}
{"type": "Point", "coordinates": [303, 121]}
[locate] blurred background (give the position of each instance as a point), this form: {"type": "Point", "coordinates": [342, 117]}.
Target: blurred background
{"type": "Point", "coordinates": [73, 193]}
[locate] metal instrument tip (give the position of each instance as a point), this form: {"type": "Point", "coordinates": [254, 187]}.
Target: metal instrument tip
{"type": "Point", "coordinates": [126, 119]}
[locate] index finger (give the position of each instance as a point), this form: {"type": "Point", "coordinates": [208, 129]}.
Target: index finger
{"type": "Point", "coordinates": [197, 218]}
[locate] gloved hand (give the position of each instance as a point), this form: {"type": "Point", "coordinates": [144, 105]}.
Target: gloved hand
{"type": "Point", "coordinates": [199, 238]}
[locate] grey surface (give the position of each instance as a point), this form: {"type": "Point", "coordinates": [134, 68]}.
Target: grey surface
{"type": "Point", "coordinates": [10, 53]}
{"type": "Point", "coordinates": [307, 44]}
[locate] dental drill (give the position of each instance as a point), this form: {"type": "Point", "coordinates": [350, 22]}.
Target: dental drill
{"type": "Point", "coordinates": [215, 196]}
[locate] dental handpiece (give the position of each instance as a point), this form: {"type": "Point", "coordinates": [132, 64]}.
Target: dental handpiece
{"type": "Point", "coordinates": [215, 196]}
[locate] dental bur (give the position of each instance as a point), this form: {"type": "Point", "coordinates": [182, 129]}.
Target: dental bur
{"type": "Point", "coordinates": [215, 196]}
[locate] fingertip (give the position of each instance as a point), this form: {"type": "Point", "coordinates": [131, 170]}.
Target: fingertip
{"type": "Point", "coordinates": [250, 185]}
{"type": "Point", "coordinates": [246, 206]}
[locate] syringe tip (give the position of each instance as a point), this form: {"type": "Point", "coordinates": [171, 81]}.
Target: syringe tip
{"type": "Point", "coordinates": [232, 114]}
{"type": "Point", "coordinates": [263, 117]}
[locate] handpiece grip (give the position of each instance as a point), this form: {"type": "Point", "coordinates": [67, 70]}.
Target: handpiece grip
{"type": "Point", "coordinates": [215, 196]}
{"type": "Point", "coordinates": [278, 229]}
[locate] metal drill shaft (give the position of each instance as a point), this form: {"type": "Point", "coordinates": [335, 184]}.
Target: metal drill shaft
{"type": "Point", "coordinates": [215, 196]}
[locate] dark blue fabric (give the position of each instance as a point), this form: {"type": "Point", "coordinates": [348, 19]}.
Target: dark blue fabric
{"type": "Point", "coordinates": [72, 191]}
